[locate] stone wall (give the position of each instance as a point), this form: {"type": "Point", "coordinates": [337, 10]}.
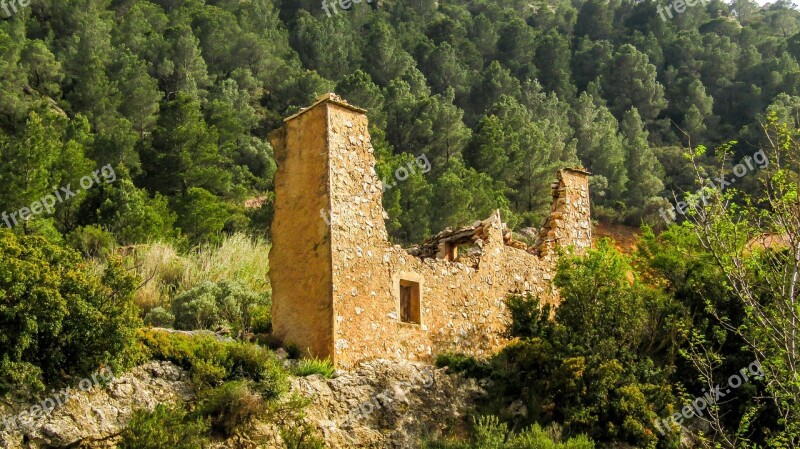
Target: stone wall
{"type": "Point", "coordinates": [301, 253]}
{"type": "Point", "coordinates": [462, 301]}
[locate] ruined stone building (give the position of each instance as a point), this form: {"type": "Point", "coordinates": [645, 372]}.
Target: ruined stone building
{"type": "Point", "coordinates": [342, 291]}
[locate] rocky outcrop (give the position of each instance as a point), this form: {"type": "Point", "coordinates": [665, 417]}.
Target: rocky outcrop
{"type": "Point", "coordinates": [93, 419]}
{"type": "Point", "coordinates": [380, 404]}
{"type": "Point", "coordinates": [387, 404]}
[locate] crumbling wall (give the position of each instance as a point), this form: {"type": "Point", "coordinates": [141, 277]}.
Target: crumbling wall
{"type": "Point", "coordinates": [462, 304]}
{"type": "Point", "coordinates": [569, 223]}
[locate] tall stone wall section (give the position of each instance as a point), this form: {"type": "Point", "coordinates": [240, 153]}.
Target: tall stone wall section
{"type": "Point", "coordinates": [462, 304]}
{"type": "Point", "coordinates": [569, 223]}
{"type": "Point", "coordinates": [300, 258]}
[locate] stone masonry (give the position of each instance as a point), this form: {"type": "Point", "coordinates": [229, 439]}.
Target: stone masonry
{"type": "Point", "coordinates": [342, 291]}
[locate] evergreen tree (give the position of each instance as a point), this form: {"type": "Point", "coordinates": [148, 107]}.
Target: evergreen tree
{"type": "Point", "coordinates": [644, 169]}
{"type": "Point", "coordinates": [184, 152]}
{"type": "Point", "coordinates": [600, 146]}
{"type": "Point", "coordinates": [630, 81]}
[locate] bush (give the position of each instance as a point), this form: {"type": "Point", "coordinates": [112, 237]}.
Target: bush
{"type": "Point", "coordinates": [261, 319]}
{"type": "Point", "coordinates": [211, 362]}
{"type": "Point", "coordinates": [92, 241]}
{"type": "Point", "coordinates": [59, 316]}
{"type": "Point", "coordinates": [602, 365]}
{"type": "Point", "coordinates": [465, 364]}
{"type": "Point", "coordinates": [159, 317]}
{"type": "Point", "coordinates": [293, 351]}
{"type": "Point", "coordinates": [490, 433]}
{"type": "Point", "coordinates": [249, 361]}
{"type": "Point", "coordinates": [232, 406]}
{"type": "Point", "coordinates": [212, 304]}
{"type": "Point", "coordinates": [307, 367]}
{"type": "Point", "coordinates": [164, 427]}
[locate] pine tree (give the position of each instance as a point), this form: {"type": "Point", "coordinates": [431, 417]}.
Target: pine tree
{"type": "Point", "coordinates": [600, 146]}
{"type": "Point", "coordinates": [644, 169]}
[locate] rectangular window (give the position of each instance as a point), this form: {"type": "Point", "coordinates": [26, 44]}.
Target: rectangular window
{"type": "Point", "coordinates": [409, 302]}
{"type": "Point", "coordinates": [451, 251]}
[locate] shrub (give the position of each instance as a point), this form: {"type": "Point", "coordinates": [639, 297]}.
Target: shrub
{"type": "Point", "coordinates": [261, 319]}
{"type": "Point", "coordinates": [211, 362]}
{"type": "Point", "coordinates": [164, 427]}
{"type": "Point", "coordinates": [206, 373]}
{"type": "Point", "coordinates": [159, 317]}
{"type": "Point", "coordinates": [249, 361]}
{"type": "Point", "coordinates": [490, 433]}
{"type": "Point", "coordinates": [602, 365]}
{"type": "Point", "coordinates": [198, 308]}
{"type": "Point", "coordinates": [232, 406]}
{"type": "Point", "coordinates": [213, 304]}
{"type": "Point", "coordinates": [59, 316]}
{"type": "Point", "coordinates": [293, 351]}
{"type": "Point", "coordinates": [466, 364]}
{"type": "Point", "coordinates": [307, 367]}
{"type": "Point", "coordinates": [92, 241]}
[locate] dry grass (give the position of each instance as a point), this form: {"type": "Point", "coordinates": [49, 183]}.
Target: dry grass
{"type": "Point", "coordinates": [165, 273]}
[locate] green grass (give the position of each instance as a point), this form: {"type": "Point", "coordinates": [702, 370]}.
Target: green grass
{"type": "Point", "coordinates": [307, 367]}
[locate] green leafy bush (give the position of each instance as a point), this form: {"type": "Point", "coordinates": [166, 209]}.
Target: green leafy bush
{"type": "Point", "coordinates": [600, 367]}
{"type": "Point", "coordinates": [212, 304]}
{"type": "Point", "coordinates": [211, 362]}
{"type": "Point", "coordinates": [490, 433]}
{"type": "Point", "coordinates": [231, 406]}
{"type": "Point", "coordinates": [307, 367]}
{"type": "Point", "coordinates": [261, 319]}
{"type": "Point", "coordinates": [159, 317]}
{"type": "Point", "coordinates": [165, 427]}
{"type": "Point", "coordinates": [465, 364]}
{"type": "Point", "coordinates": [58, 316]}
{"type": "Point", "coordinates": [92, 241]}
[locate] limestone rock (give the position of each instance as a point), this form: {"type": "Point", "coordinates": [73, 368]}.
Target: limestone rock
{"type": "Point", "coordinates": [93, 419]}
{"type": "Point", "coordinates": [387, 404]}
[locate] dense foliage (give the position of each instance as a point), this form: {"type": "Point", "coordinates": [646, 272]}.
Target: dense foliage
{"type": "Point", "coordinates": [164, 427]}
{"type": "Point", "coordinates": [490, 433]}
{"type": "Point", "coordinates": [59, 318]}
{"type": "Point", "coordinates": [214, 304]}
{"type": "Point", "coordinates": [236, 385]}
{"type": "Point", "coordinates": [179, 98]}
{"type": "Point", "coordinates": [704, 304]}
{"type": "Point", "coordinates": [622, 351]}
{"type": "Point", "coordinates": [602, 366]}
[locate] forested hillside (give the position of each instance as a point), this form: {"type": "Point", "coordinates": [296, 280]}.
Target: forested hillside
{"type": "Point", "coordinates": [178, 97]}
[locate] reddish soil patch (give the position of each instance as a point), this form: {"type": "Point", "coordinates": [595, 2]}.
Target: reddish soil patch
{"type": "Point", "coordinates": [625, 237]}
